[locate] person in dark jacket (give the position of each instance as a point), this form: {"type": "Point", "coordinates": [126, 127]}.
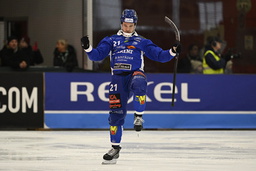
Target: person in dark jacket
{"type": "Point", "coordinates": [191, 63]}
{"type": "Point", "coordinates": [213, 61]}
{"type": "Point", "coordinates": [65, 55]}
{"type": "Point", "coordinates": [34, 52]}
{"type": "Point", "coordinates": [12, 56]}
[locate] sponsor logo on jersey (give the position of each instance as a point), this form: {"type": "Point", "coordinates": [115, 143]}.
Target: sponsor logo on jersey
{"type": "Point", "coordinates": [113, 130]}
{"type": "Point", "coordinates": [120, 47]}
{"type": "Point", "coordinates": [124, 58]}
{"type": "Point", "coordinates": [114, 101]}
{"type": "Point", "coordinates": [141, 99]}
{"type": "Point", "coordinates": [131, 47]}
{"type": "Point", "coordinates": [122, 66]}
{"type": "Point", "coordinates": [138, 39]}
{"type": "Point", "coordinates": [129, 51]}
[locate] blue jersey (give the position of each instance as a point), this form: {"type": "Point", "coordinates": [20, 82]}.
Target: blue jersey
{"type": "Point", "coordinates": [127, 53]}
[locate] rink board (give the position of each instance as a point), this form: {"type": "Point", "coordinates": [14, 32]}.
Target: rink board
{"type": "Point", "coordinates": [154, 121]}
{"type": "Point", "coordinates": [21, 100]}
{"type": "Point", "coordinates": [80, 100]}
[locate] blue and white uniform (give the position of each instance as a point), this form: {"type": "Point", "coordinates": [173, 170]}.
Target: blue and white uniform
{"type": "Point", "coordinates": [127, 64]}
{"type": "Point", "coordinates": [126, 53]}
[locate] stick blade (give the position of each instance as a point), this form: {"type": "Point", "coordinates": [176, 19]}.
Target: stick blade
{"type": "Point", "coordinates": [167, 19]}
{"type": "Point", "coordinates": [174, 27]}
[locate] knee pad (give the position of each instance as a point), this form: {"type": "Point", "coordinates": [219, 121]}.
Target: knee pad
{"type": "Point", "coordinates": [139, 85]}
{"type": "Point", "coordinates": [139, 88]}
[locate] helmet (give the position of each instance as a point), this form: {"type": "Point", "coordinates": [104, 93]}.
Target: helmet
{"type": "Point", "coordinates": [129, 16]}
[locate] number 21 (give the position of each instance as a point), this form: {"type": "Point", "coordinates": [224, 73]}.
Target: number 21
{"type": "Point", "coordinates": [113, 87]}
{"type": "Point", "coordinates": [117, 43]}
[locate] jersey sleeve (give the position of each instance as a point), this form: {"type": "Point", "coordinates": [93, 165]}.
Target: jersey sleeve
{"type": "Point", "coordinates": [101, 51]}
{"type": "Point", "coordinates": [156, 53]}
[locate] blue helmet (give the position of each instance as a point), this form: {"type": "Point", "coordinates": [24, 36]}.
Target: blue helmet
{"type": "Point", "coordinates": [129, 16]}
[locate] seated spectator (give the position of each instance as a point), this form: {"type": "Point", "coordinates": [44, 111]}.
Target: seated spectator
{"type": "Point", "coordinates": [65, 55]}
{"type": "Point", "coordinates": [196, 61]}
{"type": "Point", "coordinates": [12, 56]}
{"type": "Point", "coordinates": [33, 52]}
{"type": "Point", "coordinates": [192, 63]}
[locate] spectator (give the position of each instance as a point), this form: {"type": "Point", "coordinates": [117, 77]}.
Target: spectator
{"type": "Point", "coordinates": [192, 62]}
{"type": "Point", "coordinates": [12, 56]}
{"type": "Point", "coordinates": [213, 63]}
{"type": "Point", "coordinates": [65, 55]}
{"type": "Point", "coordinates": [33, 52]}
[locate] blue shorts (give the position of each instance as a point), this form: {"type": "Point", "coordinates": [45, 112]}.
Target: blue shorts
{"type": "Point", "coordinates": [121, 88]}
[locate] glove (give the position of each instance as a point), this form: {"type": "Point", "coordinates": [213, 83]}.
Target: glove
{"type": "Point", "coordinates": [176, 48]}
{"type": "Point", "coordinates": [85, 43]}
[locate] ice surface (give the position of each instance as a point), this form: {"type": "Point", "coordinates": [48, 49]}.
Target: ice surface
{"type": "Point", "coordinates": [151, 151]}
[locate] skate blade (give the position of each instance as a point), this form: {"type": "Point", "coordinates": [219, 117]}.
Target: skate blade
{"type": "Point", "coordinates": [109, 162]}
{"type": "Point", "coordinates": [138, 133]}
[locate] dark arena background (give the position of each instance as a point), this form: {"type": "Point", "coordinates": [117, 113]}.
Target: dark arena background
{"type": "Point", "coordinates": [56, 118]}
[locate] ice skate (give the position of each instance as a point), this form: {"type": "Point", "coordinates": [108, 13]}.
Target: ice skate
{"type": "Point", "coordinates": [138, 122]}
{"type": "Point", "coordinates": [111, 156]}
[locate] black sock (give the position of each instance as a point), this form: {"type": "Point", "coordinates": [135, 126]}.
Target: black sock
{"type": "Point", "coordinates": [137, 115]}
{"type": "Point", "coordinates": [116, 146]}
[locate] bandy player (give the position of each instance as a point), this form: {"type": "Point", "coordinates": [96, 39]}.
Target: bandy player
{"type": "Point", "coordinates": [126, 50]}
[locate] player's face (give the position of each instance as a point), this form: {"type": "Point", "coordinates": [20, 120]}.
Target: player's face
{"type": "Point", "coordinates": [128, 27]}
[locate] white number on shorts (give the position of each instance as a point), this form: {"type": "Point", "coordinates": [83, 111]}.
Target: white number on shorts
{"type": "Point", "coordinates": [113, 87]}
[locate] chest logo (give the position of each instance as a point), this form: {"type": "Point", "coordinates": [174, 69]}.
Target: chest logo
{"type": "Point", "coordinates": [131, 47]}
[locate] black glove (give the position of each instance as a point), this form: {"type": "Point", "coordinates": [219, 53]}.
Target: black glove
{"type": "Point", "coordinates": [176, 48]}
{"type": "Point", "coordinates": [85, 43]}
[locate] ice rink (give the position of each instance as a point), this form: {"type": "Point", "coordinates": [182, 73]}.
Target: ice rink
{"type": "Point", "coordinates": [152, 151]}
